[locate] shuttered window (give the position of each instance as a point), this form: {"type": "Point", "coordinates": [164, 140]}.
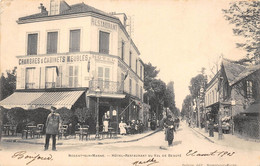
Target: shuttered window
{"type": "Point", "coordinates": [103, 42]}
{"type": "Point", "coordinates": [50, 77]}
{"type": "Point", "coordinates": [130, 59]}
{"type": "Point", "coordinates": [249, 89]}
{"type": "Point", "coordinates": [32, 44]}
{"type": "Point", "coordinates": [30, 78]}
{"type": "Point", "coordinates": [130, 86]}
{"type": "Point", "coordinates": [52, 40]}
{"type": "Point", "coordinates": [74, 40]}
{"type": "Point", "coordinates": [123, 50]}
{"type": "Point", "coordinates": [73, 76]}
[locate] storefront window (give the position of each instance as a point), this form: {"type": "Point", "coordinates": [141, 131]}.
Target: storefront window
{"type": "Point", "coordinates": [30, 76]}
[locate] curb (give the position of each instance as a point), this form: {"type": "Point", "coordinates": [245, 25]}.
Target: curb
{"type": "Point", "coordinates": [203, 136]}
{"type": "Point", "coordinates": [94, 143]}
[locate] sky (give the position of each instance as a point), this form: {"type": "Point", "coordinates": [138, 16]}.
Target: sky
{"type": "Point", "coordinates": [179, 37]}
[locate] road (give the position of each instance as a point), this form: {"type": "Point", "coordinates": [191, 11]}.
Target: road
{"type": "Point", "coordinates": [189, 149]}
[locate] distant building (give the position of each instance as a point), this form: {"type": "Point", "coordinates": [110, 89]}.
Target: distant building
{"type": "Point", "coordinates": [233, 90]}
{"type": "Point", "coordinates": [68, 53]}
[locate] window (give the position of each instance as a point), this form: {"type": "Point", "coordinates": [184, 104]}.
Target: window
{"type": "Point", "coordinates": [141, 71]}
{"type": "Point", "coordinates": [249, 89]}
{"type": "Point", "coordinates": [123, 50]}
{"type": "Point", "coordinates": [103, 42]}
{"type": "Point", "coordinates": [141, 93]}
{"type": "Point", "coordinates": [74, 40]}
{"type": "Point", "coordinates": [32, 44]}
{"type": "Point", "coordinates": [52, 40]}
{"type": "Point", "coordinates": [29, 78]}
{"type": "Point", "coordinates": [50, 77]}
{"type": "Point", "coordinates": [136, 62]}
{"type": "Point", "coordinates": [130, 86]}
{"type": "Point", "coordinates": [137, 90]}
{"type": "Point", "coordinates": [130, 59]}
{"type": "Point", "coordinates": [73, 76]}
{"type": "Point", "coordinates": [103, 77]}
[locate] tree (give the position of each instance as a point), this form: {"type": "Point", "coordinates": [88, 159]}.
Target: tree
{"type": "Point", "coordinates": [196, 84]}
{"type": "Point", "coordinates": [245, 16]}
{"type": "Point", "coordinates": [185, 111]}
{"type": "Point", "coordinates": [170, 98]}
{"type": "Point", "coordinates": [150, 73]}
{"type": "Point", "coordinates": [8, 83]}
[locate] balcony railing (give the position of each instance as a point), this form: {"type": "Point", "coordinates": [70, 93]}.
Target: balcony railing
{"type": "Point", "coordinates": [49, 84]}
{"type": "Point", "coordinates": [29, 85]}
{"type": "Point", "coordinates": [106, 86]}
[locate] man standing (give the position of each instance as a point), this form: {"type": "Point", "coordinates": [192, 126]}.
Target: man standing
{"type": "Point", "coordinates": [52, 128]}
{"type": "Point", "coordinates": [169, 129]}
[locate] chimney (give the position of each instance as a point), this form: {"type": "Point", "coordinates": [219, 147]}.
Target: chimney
{"type": "Point", "coordinates": [122, 17]}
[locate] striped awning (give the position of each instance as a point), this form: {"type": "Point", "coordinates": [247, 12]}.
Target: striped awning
{"type": "Point", "coordinates": [32, 100]}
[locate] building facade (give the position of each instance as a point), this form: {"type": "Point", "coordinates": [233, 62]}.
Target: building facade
{"type": "Point", "coordinates": [70, 53]}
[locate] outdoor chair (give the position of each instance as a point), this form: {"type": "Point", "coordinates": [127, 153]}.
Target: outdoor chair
{"type": "Point", "coordinates": [39, 130]}
{"type": "Point", "coordinates": [63, 131]}
{"type": "Point", "coordinates": [77, 130]}
{"type": "Point", "coordinates": [84, 132]}
{"type": "Point", "coordinates": [12, 129]}
{"type": "Point", "coordinates": [28, 131]}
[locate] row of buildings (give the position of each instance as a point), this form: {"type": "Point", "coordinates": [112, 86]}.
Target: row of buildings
{"type": "Point", "coordinates": [76, 56]}
{"type": "Point", "coordinates": [232, 99]}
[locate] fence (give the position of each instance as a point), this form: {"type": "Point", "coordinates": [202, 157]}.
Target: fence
{"type": "Point", "coordinates": [247, 126]}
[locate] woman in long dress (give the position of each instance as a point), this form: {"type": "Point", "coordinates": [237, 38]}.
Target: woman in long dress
{"type": "Point", "coordinates": [122, 126]}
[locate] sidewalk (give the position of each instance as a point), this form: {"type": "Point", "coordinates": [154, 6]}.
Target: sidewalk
{"type": "Point", "coordinates": [71, 140]}
{"type": "Point", "coordinates": [230, 140]}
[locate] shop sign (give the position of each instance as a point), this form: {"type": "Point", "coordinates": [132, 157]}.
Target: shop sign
{"type": "Point", "coordinates": [53, 59]}
{"type": "Point", "coordinates": [104, 24]}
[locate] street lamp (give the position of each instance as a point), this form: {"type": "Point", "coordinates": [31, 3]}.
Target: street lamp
{"type": "Point", "coordinates": [98, 94]}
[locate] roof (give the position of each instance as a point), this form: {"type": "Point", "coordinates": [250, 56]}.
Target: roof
{"type": "Point", "coordinates": [232, 70]}
{"type": "Point", "coordinates": [248, 71]}
{"type": "Point", "coordinates": [73, 9]}
{"type": "Point", "coordinates": [32, 100]}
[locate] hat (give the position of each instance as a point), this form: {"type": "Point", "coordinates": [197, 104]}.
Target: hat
{"type": "Point", "coordinates": [53, 108]}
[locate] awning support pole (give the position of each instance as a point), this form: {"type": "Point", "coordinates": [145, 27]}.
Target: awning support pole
{"type": "Point", "coordinates": [126, 108]}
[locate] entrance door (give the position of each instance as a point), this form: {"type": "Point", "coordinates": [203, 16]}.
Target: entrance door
{"type": "Point", "coordinates": [102, 111]}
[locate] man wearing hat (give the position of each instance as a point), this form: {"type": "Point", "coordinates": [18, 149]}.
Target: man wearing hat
{"type": "Point", "coordinates": [52, 128]}
{"type": "Point", "coordinates": [169, 129]}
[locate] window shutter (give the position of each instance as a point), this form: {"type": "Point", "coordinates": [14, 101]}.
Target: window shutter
{"type": "Point", "coordinates": [59, 78]}
{"type": "Point", "coordinates": [37, 77]}
{"type": "Point", "coordinates": [42, 84]}
{"type": "Point", "coordinates": [75, 40]}
{"type": "Point", "coordinates": [22, 83]}
{"type": "Point", "coordinates": [52, 41]}
{"type": "Point", "coordinates": [76, 72]}
{"type": "Point", "coordinates": [32, 44]}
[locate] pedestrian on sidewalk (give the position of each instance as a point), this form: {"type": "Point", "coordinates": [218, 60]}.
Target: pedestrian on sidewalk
{"type": "Point", "coordinates": [211, 128]}
{"type": "Point", "coordinates": [53, 123]}
{"type": "Point", "coordinates": [169, 129]}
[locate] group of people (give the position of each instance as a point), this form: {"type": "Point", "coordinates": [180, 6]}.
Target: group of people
{"type": "Point", "coordinates": [131, 127]}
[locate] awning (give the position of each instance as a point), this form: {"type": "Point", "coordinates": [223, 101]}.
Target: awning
{"type": "Point", "coordinates": [32, 100]}
{"type": "Point", "coordinates": [107, 95]}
